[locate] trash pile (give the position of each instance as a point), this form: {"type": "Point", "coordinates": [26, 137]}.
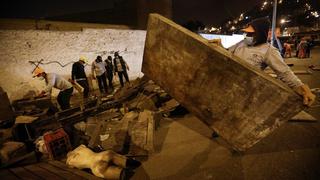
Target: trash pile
{"type": "Point", "coordinates": [124, 122]}
{"type": "Point", "coordinates": [129, 127]}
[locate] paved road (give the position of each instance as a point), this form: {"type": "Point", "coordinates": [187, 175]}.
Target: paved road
{"type": "Point", "coordinates": [313, 79]}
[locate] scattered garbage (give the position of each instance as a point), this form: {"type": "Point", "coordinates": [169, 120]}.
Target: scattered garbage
{"type": "Point", "coordinates": [123, 123]}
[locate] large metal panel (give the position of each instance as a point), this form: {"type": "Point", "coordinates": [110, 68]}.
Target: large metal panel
{"type": "Point", "coordinates": [242, 103]}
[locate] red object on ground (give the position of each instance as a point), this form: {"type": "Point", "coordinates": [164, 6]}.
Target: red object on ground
{"type": "Point", "coordinates": [57, 143]}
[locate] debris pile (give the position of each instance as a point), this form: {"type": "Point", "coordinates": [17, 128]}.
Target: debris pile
{"type": "Point", "coordinates": [124, 122]}
{"type": "Point", "coordinates": [129, 127]}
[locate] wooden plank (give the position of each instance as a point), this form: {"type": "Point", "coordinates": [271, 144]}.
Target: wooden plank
{"type": "Point", "coordinates": [23, 173]}
{"type": "Point", "coordinates": [240, 102]}
{"type": "Point", "coordinates": [8, 175]}
{"type": "Point", "coordinates": [94, 141]}
{"type": "Point", "coordinates": [78, 172]}
{"type": "Point", "coordinates": [64, 174]}
{"type": "Point", "coordinates": [44, 174]}
{"type": "Point", "coordinates": [150, 133]}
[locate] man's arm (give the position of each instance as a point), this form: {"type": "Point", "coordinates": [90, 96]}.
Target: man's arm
{"type": "Point", "coordinates": [126, 65]}
{"type": "Point", "coordinates": [73, 71]}
{"type": "Point", "coordinates": [284, 73]}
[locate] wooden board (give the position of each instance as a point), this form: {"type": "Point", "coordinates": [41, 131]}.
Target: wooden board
{"type": "Point", "coordinates": [54, 170]}
{"type": "Point", "coordinates": [23, 173]}
{"type": "Point", "coordinates": [240, 102]}
{"type": "Point", "coordinates": [82, 174]}
{"type": "Point", "coordinates": [5, 173]}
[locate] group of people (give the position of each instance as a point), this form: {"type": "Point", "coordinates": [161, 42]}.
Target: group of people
{"type": "Point", "coordinates": [101, 71]}
{"type": "Point", "coordinates": [254, 49]}
{"type": "Point", "coordinates": [302, 46]}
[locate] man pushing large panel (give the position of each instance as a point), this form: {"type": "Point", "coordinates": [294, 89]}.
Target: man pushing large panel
{"type": "Point", "coordinates": [239, 101]}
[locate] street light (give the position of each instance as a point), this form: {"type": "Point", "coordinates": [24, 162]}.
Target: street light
{"type": "Point", "coordinates": [315, 14]}
{"type": "Point", "coordinates": [274, 18]}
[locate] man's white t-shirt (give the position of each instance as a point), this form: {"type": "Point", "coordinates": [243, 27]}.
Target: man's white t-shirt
{"type": "Point", "coordinates": [99, 68]}
{"type": "Point", "coordinates": [56, 81]}
{"type": "Point", "coordinates": [265, 55]}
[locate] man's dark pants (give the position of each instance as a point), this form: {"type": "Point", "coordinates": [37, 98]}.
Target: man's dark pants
{"type": "Point", "coordinates": [110, 78]}
{"type": "Point", "coordinates": [64, 98]}
{"type": "Point", "coordinates": [121, 74]}
{"type": "Point", "coordinates": [102, 83]}
{"type": "Point", "coordinates": [85, 85]}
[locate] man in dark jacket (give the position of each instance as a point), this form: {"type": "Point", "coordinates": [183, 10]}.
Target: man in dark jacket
{"type": "Point", "coordinates": [120, 67]}
{"type": "Point", "coordinates": [78, 75]}
{"type": "Point", "coordinates": [109, 69]}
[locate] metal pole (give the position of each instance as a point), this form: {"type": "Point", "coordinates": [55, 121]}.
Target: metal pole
{"type": "Point", "coordinates": [274, 21]}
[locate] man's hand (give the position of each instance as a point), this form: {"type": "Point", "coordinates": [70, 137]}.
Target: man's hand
{"type": "Point", "coordinates": [305, 92]}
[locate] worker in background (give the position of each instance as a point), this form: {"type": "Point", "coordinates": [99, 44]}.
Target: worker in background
{"type": "Point", "coordinates": [255, 50]}
{"type": "Point", "coordinates": [287, 47]}
{"type": "Point", "coordinates": [109, 71]}
{"type": "Point", "coordinates": [302, 48]}
{"type": "Point", "coordinates": [98, 69]}
{"type": "Point", "coordinates": [120, 67]}
{"type": "Point", "coordinates": [78, 75]}
{"type": "Point", "coordinates": [56, 81]}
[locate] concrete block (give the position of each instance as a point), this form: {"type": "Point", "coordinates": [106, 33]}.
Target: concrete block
{"type": "Point", "coordinates": [240, 102]}
{"type": "Point", "coordinates": [118, 132]}
{"type": "Point", "coordinates": [142, 131]}
{"type": "Point", "coordinates": [169, 106]}
{"type": "Point", "coordinates": [142, 102]}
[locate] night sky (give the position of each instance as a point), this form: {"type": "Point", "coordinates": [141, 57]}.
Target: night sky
{"type": "Point", "coordinates": [210, 12]}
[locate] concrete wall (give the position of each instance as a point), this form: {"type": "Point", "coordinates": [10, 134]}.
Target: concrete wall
{"type": "Point", "coordinates": [18, 47]}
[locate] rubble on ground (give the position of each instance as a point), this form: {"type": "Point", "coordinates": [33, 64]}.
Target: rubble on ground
{"type": "Point", "coordinates": [124, 122]}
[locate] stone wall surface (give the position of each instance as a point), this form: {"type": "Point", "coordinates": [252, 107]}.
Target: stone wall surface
{"type": "Point", "coordinates": [59, 49]}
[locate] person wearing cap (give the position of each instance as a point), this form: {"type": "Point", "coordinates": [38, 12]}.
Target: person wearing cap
{"type": "Point", "coordinates": [120, 67]}
{"type": "Point", "coordinates": [58, 82]}
{"type": "Point", "coordinates": [98, 69]}
{"type": "Point", "coordinates": [255, 50]}
{"type": "Point", "coordinates": [78, 74]}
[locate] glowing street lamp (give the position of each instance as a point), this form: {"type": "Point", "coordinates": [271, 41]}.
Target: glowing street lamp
{"type": "Point", "coordinates": [282, 21]}
{"type": "Point", "coordinates": [315, 14]}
